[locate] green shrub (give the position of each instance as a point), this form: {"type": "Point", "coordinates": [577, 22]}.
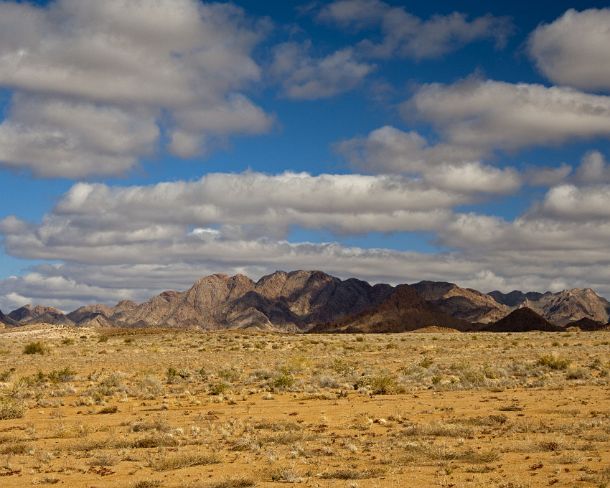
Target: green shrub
{"type": "Point", "coordinates": [218, 388]}
{"type": "Point", "coordinates": [283, 381]}
{"type": "Point", "coordinates": [61, 375]}
{"type": "Point", "coordinates": [552, 361]}
{"type": "Point", "coordinates": [34, 348]}
{"type": "Point", "coordinates": [11, 409]}
{"type": "Point", "coordinates": [383, 384]}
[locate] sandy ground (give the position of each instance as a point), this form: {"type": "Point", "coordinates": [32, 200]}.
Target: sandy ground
{"type": "Point", "coordinates": [147, 409]}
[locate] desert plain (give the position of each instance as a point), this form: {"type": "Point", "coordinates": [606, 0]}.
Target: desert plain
{"type": "Point", "coordinates": [144, 408]}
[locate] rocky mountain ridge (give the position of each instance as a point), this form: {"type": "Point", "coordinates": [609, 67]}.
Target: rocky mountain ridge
{"type": "Point", "coordinates": [404, 310]}
{"type": "Point", "coordinates": [313, 300]}
{"type": "Point", "coordinates": [562, 307]}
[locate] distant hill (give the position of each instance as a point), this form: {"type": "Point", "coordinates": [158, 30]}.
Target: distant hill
{"type": "Point", "coordinates": [462, 303]}
{"type": "Point", "coordinates": [403, 310]}
{"type": "Point", "coordinates": [587, 324]}
{"type": "Point", "coordinates": [562, 307]}
{"type": "Point", "coordinates": [522, 320]}
{"type": "Point", "coordinates": [39, 314]}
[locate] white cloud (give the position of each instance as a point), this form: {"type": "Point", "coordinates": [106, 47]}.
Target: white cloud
{"type": "Point", "coordinates": [547, 175]}
{"type": "Point", "coordinates": [487, 115]}
{"type": "Point", "coordinates": [474, 177]}
{"type": "Point", "coordinates": [406, 35]}
{"type": "Point", "coordinates": [581, 204]}
{"type": "Point", "coordinates": [92, 80]}
{"type": "Point", "coordinates": [593, 169]}
{"type": "Point", "coordinates": [58, 137]}
{"type": "Point", "coordinates": [305, 77]}
{"type": "Point", "coordinates": [101, 224]}
{"type": "Point", "coordinates": [386, 150]}
{"type": "Point", "coordinates": [573, 50]}
{"type": "Point", "coordinates": [393, 151]}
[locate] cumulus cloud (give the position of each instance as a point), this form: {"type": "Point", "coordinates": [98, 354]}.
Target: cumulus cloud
{"type": "Point", "coordinates": [391, 150]}
{"type": "Point", "coordinates": [58, 137]}
{"type": "Point", "coordinates": [593, 169]}
{"type": "Point", "coordinates": [103, 223]}
{"type": "Point", "coordinates": [474, 177]}
{"type": "Point", "coordinates": [64, 292]}
{"type": "Point", "coordinates": [405, 35]}
{"type": "Point", "coordinates": [303, 76]}
{"type": "Point", "coordinates": [547, 175]}
{"type": "Point", "coordinates": [386, 150]}
{"type": "Point", "coordinates": [487, 115]}
{"type": "Point", "coordinates": [579, 204]}
{"type": "Point", "coordinates": [94, 79]}
{"type": "Point", "coordinates": [572, 50]}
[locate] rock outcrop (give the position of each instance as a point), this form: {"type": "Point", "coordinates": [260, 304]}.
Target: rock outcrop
{"type": "Point", "coordinates": [89, 312]}
{"type": "Point", "coordinates": [515, 297]}
{"type": "Point", "coordinates": [462, 303]}
{"type": "Point", "coordinates": [404, 310]}
{"type": "Point", "coordinates": [562, 307]}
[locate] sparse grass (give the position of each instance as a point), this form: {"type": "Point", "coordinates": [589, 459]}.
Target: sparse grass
{"type": "Point", "coordinates": [108, 410]}
{"type": "Point", "coordinates": [147, 484]}
{"type": "Point", "coordinates": [179, 461]}
{"type": "Point", "coordinates": [232, 483]}
{"type": "Point", "coordinates": [14, 449]}
{"type": "Point", "coordinates": [351, 474]}
{"type": "Point", "coordinates": [270, 409]}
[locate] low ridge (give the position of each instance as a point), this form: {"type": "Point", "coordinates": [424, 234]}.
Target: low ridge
{"type": "Point", "coordinates": [523, 320]}
{"type": "Point", "coordinates": [39, 314]}
{"type": "Point", "coordinates": [587, 324]}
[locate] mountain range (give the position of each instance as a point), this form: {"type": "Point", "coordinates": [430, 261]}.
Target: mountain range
{"type": "Point", "coordinates": [313, 301]}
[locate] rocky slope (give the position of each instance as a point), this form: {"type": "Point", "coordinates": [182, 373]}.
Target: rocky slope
{"type": "Point", "coordinates": [288, 301]}
{"type": "Point", "coordinates": [515, 297]}
{"type": "Point", "coordinates": [570, 305]}
{"type": "Point", "coordinates": [39, 314]}
{"type": "Point", "coordinates": [89, 312]}
{"type": "Point", "coordinates": [523, 320]}
{"type": "Point", "coordinates": [560, 308]}
{"type": "Point", "coordinates": [5, 320]}
{"type": "Point", "coordinates": [462, 303]}
{"type": "Point", "coordinates": [403, 310]}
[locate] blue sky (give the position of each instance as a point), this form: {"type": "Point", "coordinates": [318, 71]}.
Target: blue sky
{"type": "Point", "coordinates": [264, 104]}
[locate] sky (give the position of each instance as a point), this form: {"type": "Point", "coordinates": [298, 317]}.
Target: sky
{"type": "Point", "coordinates": [145, 144]}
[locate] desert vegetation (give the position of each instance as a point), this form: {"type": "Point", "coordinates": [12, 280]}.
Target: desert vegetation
{"type": "Point", "coordinates": [176, 408]}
